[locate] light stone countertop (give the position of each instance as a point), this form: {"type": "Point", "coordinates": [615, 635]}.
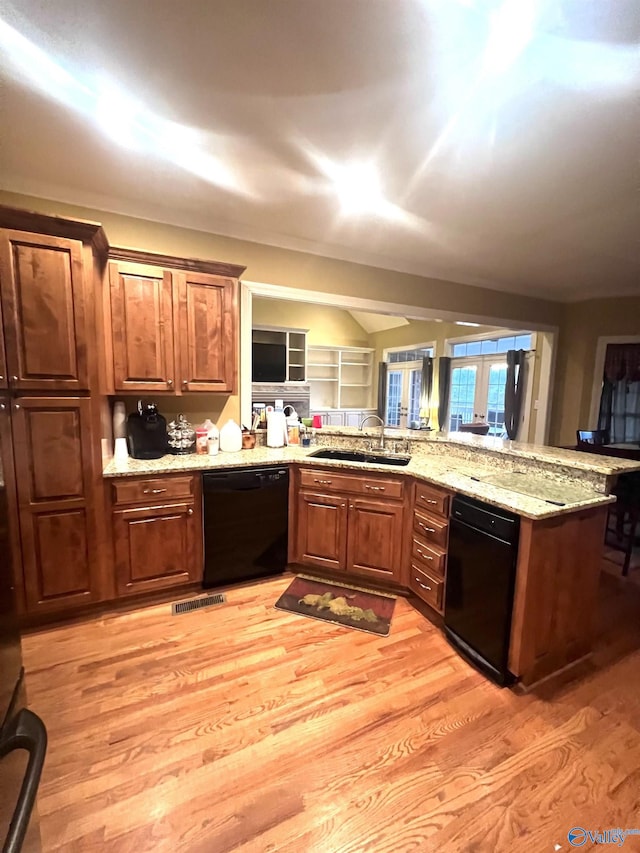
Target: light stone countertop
{"type": "Point", "coordinates": [458, 475]}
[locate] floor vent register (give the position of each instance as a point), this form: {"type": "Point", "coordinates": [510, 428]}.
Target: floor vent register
{"type": "Point", "coordinates": [197, 603]}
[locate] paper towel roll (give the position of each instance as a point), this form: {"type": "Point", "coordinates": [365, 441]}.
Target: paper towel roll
{"type": "Point", "coordinates": [276, 429]}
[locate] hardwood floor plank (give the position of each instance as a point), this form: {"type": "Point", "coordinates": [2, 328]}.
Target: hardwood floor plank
{"type": "Point", "coordinates": [245, 728]}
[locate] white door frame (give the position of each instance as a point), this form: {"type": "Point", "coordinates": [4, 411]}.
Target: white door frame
{"type": "Point", "coordinates": [598, 371]}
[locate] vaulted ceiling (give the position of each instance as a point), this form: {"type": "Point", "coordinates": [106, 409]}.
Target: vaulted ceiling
{"type": "Point", "coordinates": [487, 142]}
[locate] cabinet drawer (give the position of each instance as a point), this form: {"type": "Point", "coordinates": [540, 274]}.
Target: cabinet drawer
{"type": "Point", "coordinates": [431, 528]}
{"type": "Point", "coordinates": [432, 499]}
{"type": "Point", "coordinates": [360, 484]}
{"type": "Point", "coordinates": [152, 491]}
{"type": "Point", "coordinates": [430, 557]}
{"type": "Point", "coordinates": [429, 589]}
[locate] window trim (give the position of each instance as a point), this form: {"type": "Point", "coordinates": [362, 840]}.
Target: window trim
{"type": "Point", "coordinates": [387, 350]}
{"type": "Point", "coordinates": [488, 336]}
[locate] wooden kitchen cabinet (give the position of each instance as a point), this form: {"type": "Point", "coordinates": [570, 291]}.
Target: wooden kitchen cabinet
{"type": "Point", "coordinates": [157, 533]}
{"type": "Point", "coordinates": [349, 521]}
{"type": "Point", "coordinates": [171, 324]}
{"type": "Point", "coordinates": [142, 327]}
{"type": "Point", "coordinates": [205, 332]}
{"type": "Point", "coordinates": [375, 538]}
{"type": "Point", "coordinates": [44, 308]}
{"type": "Point", "coordinates": [3, 362]}
{"type": "Point", "coordinates": [321, 530]}
{"type": "Point", "coordinates": [52, 441]}
{"type": "Point", "coordinates": [427, 559]}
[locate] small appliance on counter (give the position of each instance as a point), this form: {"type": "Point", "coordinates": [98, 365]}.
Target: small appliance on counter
{"type": "Point", "coordinates": [146, 432]}
{"type": "Point", "coordinates": [181, 436]}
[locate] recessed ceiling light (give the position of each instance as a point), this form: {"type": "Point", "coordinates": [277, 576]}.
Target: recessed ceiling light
{"type": "Point", "coordinates": [464, 323]}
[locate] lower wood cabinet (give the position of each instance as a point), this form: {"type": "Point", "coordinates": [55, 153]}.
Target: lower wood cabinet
{"type": "Point", "coordinates": [157, 542]}
{"type": "Point", "coordinates": [429, 534]}
{"type": "Point", "coordinates": [56, 493]}
{"type": "Point", "coordinates": [334, 528]}
{"type": "Point", "coordinates": [321, 530]}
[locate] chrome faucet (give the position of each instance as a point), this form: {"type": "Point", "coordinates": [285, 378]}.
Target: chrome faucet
{"type": "Point", "coordinates": [379, 419]}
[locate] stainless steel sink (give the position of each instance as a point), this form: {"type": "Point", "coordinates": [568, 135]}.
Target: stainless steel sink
{"type": "Point", "coordinates": [361, 456]}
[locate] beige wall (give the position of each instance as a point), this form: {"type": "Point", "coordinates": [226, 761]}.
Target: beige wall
{"type": "Point", "coordinates": [325, 325]}
{"type": "Point", "coordinates": [268, 264]}
{"type": "Point", "coordinates": [582, 324]}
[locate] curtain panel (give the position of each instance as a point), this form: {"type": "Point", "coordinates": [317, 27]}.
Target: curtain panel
{"type": "Point", "coordinates": [426, 390]}
{"type": "Point", "coordinates": [444, 388]}
{"type": "Point", "coordinates": [382, 390]}
{"type": "Point", "coordinates": [622, 362]}
{"type": "Point", "coordinates": [514, 391]}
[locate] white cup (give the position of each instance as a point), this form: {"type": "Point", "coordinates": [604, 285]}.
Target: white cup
{"type": "Point", "coordinates": [120, 452]}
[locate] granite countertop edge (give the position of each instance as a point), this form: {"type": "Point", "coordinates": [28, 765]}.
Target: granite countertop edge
{"type": "Point", "coordinates": [455, 477]}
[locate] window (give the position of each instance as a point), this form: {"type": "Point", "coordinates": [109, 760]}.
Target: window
{"type": "Point", "coordinates": [400, 356]}
{"type": "Point", "coordinates": [477, 393]}
{"type": "Point", "coordinates": [491, 346]}
{"type": "Point", "coordinates": [404, 385]}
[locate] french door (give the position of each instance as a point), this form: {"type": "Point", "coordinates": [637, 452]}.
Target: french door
{"type": "Point", "coordinates": [404, 383]}
{"type": "Point", "coordinates": [477, 392]}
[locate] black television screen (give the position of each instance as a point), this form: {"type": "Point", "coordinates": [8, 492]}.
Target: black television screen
{"type": "Point", "coordinates": [269, 362]}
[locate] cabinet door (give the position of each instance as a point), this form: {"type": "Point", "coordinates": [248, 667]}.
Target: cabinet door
{"type": "Point", "coordinates": [52, 450]}
{"type": "Point", "coordinates": [44, 307]}
{"type": "Point", "coordinates": [157, 547]}
{"type": "Point", "coordinates": [3, 364]}
{"type": "Point", "coordinates": [321, 530]}
{"type": "Point", "coordinates": [10, 552]}
{"type": "Point", "coordinates": [375, 538]}
{"type": "Point", "coordinates": [142, 323]}
{"type": "Point", "coordinates": [206, 319]}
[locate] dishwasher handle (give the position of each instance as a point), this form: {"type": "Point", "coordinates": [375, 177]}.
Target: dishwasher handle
{"type": "Point", "coordinates": [26, 731]}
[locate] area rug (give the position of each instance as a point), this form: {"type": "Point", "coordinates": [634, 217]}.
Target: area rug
{"type": "Point", "coordinates": [351, 606]}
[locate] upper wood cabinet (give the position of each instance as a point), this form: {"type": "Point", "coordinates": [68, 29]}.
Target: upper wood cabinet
{"type": "Point", "coordinates": [44, 307]}
{"type": "Point", "coordinates": [141, 327]}
{"type": "Point", "coordinates": [206, 321]}
{"type": "Point", "coordinates": [171, 323]}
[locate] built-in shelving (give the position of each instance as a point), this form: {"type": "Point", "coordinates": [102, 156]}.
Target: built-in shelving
{"type": "Point", "coordinates": [340, 377]}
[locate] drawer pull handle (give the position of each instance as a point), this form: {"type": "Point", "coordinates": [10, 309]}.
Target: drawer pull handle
{"type": "Point", "coordinates": [428, 529]}
{"type": "Point", "coordinates": [323, 482]}
{"type": "Point", "coordinates": [153, 491]}
{"type": "Point", "coordinates": [423, 585]}
{"type": "Point", "coordinates": [374, 488]}
{"type": "Point", "coordinates": [428, 500]}
{"type": "Point", "coordinates": [425, 556]}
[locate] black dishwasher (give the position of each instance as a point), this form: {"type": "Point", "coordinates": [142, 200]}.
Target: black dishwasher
{"type": "Point", "coordinates": [245, 524]}
{"type": "Point", "coordinates": [481, 571]}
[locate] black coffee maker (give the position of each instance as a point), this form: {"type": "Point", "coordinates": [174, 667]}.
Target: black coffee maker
{"type": "Point", "coordinates": [147, 432]}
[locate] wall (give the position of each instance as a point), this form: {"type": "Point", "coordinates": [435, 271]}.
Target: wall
{"type": "Point", "coordinates": [326, 325]}
{"type": "Point", "coordinates": [581, 326]}
{"type": "Point", "coordinates": [268, 264]}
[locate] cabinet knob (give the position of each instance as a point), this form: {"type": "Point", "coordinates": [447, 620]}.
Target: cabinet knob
{"type": "Point", "coordinates": [1, 378]}
{"type": "Point", "coordinates": [17, 406]}
{"type": "Point", "coordinates": [169, 382]}
{"type": "Point", "coordinates": [14, 378]}
{"type": "Point", "coordinates": [190, 511]}
{"type": "Point", "coordinates": [2, 407]}
{"type": "Point", "coordinates": [185, 382]}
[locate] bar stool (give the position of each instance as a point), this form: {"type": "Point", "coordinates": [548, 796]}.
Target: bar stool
{"type": "Point", "coordinates": [625, 515]}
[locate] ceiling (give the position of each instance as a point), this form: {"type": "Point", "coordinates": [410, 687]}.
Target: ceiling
{"type": "Point", "coordinates": [505, 133]}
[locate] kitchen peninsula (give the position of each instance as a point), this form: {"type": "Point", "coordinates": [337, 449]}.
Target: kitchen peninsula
{"type": "Point", "coordinates": [402, 516]}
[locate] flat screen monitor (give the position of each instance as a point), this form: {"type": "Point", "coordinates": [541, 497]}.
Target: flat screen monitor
{"type": "Point", "coordinates": [269, 362]}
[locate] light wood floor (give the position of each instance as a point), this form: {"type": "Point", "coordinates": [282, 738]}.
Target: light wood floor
{"type": "Point", "coordinates": [243, 728]}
